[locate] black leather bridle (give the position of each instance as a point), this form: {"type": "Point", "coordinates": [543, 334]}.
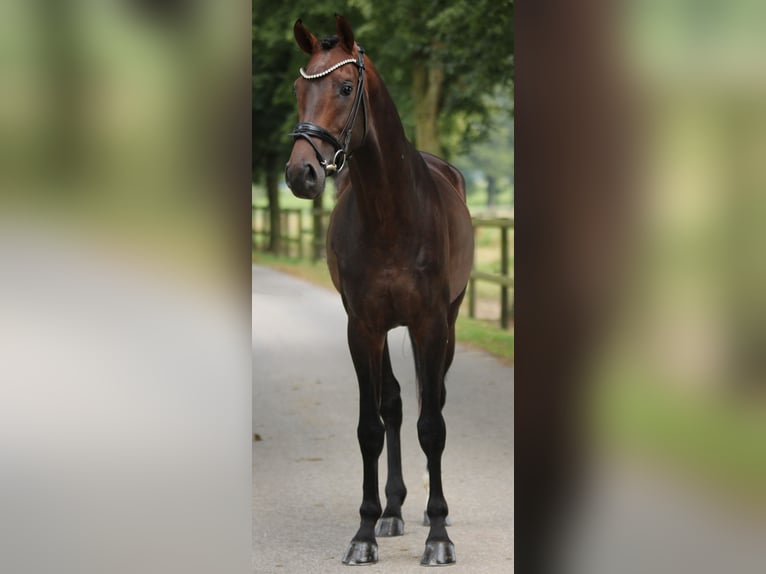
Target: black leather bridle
{"type": "Point", "coordinates": [307, 130]}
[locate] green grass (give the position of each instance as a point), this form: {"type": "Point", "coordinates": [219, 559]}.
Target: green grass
{"type": "Point", "coordinates": [717, 440]}
{"type": "Point", "coordinates": [484, 335]}
{"type": "Point", "coordinates": [471, 332]}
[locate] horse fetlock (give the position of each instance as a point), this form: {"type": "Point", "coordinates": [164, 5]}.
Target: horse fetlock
{"type": "Point", "coordinates": [437, 509]}
{"type": "Point", "coordinates": [396, 491]}
{"type": "Point", "coordinates": [427, 520]}
{"type": "Point", "coordinates": [370, 511]}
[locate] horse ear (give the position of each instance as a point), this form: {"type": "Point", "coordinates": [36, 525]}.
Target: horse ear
{"type": "Point", "coordinates": [306, 40]}
{"type": "Point", "coordinates": [345, 35]}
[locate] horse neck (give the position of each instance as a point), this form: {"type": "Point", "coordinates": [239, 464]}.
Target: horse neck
{"type": "Point", "coordinates": [383, 168]}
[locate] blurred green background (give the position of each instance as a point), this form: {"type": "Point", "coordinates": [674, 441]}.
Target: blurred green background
{"type": "Point", "coordinates": [113, 119]}
{"type": "Point", "coordinates": [682, 371]}
{"type": "Point", "coordinates": [115, 125]}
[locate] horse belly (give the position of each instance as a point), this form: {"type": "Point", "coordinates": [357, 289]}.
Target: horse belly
{"type": "Point", "coordinates": [461, 246]}
{"type": "Point", "coordinates": [451, 186]}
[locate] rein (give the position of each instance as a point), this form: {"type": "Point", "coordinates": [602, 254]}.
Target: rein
{"type": "Point", "coordinates": [308, 130]}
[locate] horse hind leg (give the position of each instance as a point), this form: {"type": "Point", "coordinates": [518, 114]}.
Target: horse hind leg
{"type": "Point", "coordinates": [391, 523]}
{"type": "Point", "coordinates": [454, 309]}
{"type": "Point", "coordinates": [449, 356]}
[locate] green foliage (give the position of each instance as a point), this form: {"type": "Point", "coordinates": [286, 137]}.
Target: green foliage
{"type": "Point", "coordinates": [492, 156]}
{"type": "Point", "coordinates": [473, 41]}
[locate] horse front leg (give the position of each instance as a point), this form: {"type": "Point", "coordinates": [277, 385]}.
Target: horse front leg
{"type": "Point", "coordinates": [391, 523]}
{"type": "Point", "coordinates": [366, 352]}
{"type": "Point", "coordinates": [430, 340]}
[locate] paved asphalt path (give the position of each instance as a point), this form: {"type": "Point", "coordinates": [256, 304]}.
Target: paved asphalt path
{"type": "Point", "coordinates": [307, 469]}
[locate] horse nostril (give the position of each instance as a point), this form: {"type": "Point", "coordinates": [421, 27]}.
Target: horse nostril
{"type": "Point", "coordinates": [311, 174]}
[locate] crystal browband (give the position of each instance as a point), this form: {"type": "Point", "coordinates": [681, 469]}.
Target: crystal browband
{"type": "Point", "coordinates": [328, 70]}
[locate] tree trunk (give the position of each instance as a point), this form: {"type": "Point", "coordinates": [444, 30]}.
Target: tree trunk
{"type": "Point", "coordinates": [64, 113]}
{"type": "Point", "coordinates": [491, 190]}
{"type": "Point", "coordinates": [427, 87]}
{"type": "Point", "coordinates": [272, 190]}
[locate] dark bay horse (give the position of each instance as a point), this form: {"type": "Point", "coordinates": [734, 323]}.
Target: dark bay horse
{"type": "Point", "coordinates": [400, 250]}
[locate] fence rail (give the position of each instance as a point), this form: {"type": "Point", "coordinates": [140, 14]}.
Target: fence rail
{"type": "Point", "coordinates": [504, 278]}
{"type": "Point", "coordinates": [303, 231]}
{"type": "Point", "coordinates": [298, 235]}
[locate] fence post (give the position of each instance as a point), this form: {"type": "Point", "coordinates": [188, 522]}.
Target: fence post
{"type": "Point", "coordinates": [472, 281]}
{"type": "Point", "coordinates": [504, 272]}
{"type": "Point", "coordinates": [260, 228]}
{"type": "Point", "coordinates": [253, 241]}
{"type": "Point", "coordinates": [300, 234]}
{"type": "Point", "coordinates": [266, 228]}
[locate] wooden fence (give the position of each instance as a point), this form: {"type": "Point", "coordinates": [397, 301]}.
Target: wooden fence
{"type": "Point", "coordinates": [302, 235]}
{"type": "Point", "coordinates": [504, 278]}
{"type": "Point", "coordinates": [301, 231]}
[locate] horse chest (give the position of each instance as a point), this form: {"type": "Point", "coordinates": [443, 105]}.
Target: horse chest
{"type": "Point", "coordinates": [389, 295]}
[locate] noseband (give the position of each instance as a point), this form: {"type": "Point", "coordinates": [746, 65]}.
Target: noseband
{"type": "Point", "coordinates": [307, 130]}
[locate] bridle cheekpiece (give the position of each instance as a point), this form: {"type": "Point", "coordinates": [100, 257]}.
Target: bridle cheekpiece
{"type": "Point", "coordinates": [308, 130]}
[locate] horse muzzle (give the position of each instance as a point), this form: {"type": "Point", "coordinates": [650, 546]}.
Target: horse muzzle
{"type": "Point", "coordinates": [305, 179]}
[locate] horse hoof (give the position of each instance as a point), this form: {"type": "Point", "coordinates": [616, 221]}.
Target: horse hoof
{"type": "Point", "coordinates": [427, 521]}
{"type": "Point", "coordinates": [361, 552]}
{"type": "Point", "coordinates": [389, 526]}
{"type": "Point", "coordinates": [438, 553]}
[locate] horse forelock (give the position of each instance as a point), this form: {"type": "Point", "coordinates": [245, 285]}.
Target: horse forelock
{"type": "Point", "coordinates": [329, 42]}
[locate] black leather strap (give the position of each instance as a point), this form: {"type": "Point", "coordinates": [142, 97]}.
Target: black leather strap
{"type": "Point", "coordinates": [313, 130]}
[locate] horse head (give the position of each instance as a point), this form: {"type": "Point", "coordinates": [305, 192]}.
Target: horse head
{"type": "Point", "coordinates": [330, 94]}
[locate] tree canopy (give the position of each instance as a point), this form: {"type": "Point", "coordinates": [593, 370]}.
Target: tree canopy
{"type": "Point", "coordinates": [441, 60]}
{"type": "Point", "coordinates": [456, 52]}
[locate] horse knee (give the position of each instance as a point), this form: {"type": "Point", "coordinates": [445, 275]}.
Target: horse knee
{"type": "Point", "coordinates": [371, 436]}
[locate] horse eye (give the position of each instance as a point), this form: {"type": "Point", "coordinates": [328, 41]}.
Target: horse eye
{"type": "Point", "coordinates": [346, 89]}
